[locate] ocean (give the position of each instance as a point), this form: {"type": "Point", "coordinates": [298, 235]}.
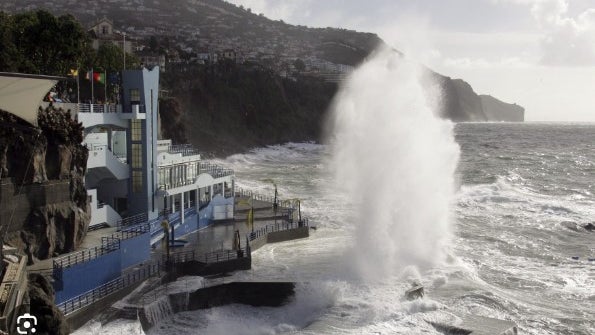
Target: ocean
{"type": "Point", "coordinates": [488, 217]}
{"type": "Point", "coordinates": [523, 193]}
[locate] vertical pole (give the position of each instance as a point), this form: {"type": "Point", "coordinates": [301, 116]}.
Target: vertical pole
{"type": "Point", "coordinates": [182, 207]}
{"type": "Point", "coordinates": [78, 88]}
{"type": "Point", "coordinates": [92, 84]}
{"type": "Point", "coordinates": [105, 87]}
{"type": "Point", "coordinates": [124, 50]}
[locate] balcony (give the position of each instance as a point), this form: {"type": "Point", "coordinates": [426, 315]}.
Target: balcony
{"type": "Point", "coordinates": [97, 114]}
{"type": "Point", "coordinates": [104, 164]}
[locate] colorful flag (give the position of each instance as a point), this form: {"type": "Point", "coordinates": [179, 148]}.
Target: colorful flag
{"type": "Point", "coordinates": [74, 72]}
{"type": "Point", "coordinates": [99, 77]}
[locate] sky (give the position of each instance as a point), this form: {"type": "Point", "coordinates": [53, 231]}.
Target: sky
{"type": "Point", "coordinates": [537, 53]}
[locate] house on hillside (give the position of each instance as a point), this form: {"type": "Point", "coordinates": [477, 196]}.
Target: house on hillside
{"type": "Point", "coordinates": [103, 32]}
{"type": "Point", "coordinates": [151, 59]}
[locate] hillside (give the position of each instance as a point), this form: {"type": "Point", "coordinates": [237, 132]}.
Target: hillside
{"type": "Point", "coordinates": [264, 98]}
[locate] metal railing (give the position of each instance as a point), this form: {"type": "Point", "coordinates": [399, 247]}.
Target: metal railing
{"type": "Point", "coordinates": [86, 255]}
{"type": "Point", "coordinates": [132, 220]}
{"type": "Point", "coordinates": [281, 204]}
{"type": "Point", "coordinates": [214, 170]}
{"type": "Point", "coordinates": [277, 227]}
{"type": "Point", "coordinates": [184, 149]}
{"type": "Point", "coordinates": [207, 258]}
{"type": "Point", "coordinates": [97, 108]}
{"type": "Point", "coordinates": [116, 285]}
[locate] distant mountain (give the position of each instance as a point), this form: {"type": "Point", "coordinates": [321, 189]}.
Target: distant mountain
{"type": "Point", "coordinates": [496, 110]}
{"type": "Point", "coordinates": [184, 29]}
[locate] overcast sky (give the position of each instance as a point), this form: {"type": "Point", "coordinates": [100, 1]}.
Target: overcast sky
{"type": "Point", "coordinates": [537, 53]}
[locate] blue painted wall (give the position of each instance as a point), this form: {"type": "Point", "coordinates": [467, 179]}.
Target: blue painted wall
{"type": "Point", "coordinates": [135, 250]}
{"type": "Point", "coordinates": [86, 276]}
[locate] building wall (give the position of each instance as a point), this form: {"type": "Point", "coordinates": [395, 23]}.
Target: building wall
{"type": "Point", "coordinates": [135, 250]}
{"type": "Point", "coordinates": [146, 81]}
{"type": "Point", "coordinates": [86, 276]}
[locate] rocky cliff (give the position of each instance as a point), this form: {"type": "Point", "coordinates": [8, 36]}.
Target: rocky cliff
{"type": "Point", "coordinates": [44, 206]}
{"type": "Point", "coordinates": [496, 110]}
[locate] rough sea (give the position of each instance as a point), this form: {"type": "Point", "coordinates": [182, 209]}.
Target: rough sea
{"type": "Point", "coordinates": [524, 191]}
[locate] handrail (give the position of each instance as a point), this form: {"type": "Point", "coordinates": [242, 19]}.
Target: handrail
{"type": "Point", "coordinates": [97, 108]}
{"type": "Point", "coordinates": [281, 204]}
{"type": "Point", "coordinates": [216, 256]}
{"type": "Point", "coordinates": [277, 227]}
{"type": "Point", "coordinates": [132, 220]}
{"type": "Point", "coordinates": [100, 292]}
{"type": "Point", "coordinates": [86, 254]}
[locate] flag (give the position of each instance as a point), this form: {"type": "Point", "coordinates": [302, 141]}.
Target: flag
{"type": "Point", "coordinates": [99, 77]}
{"type": "Point", "coordinates": [74, 72]}
{"type": "Point", "coordinates": [89, 75]}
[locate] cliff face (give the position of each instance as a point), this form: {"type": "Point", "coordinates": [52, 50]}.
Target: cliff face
{"type": "Point", "coordinates": [228, 108]}
{"type": "Point", "coordinates": [44, 206]}
{"type": "Point", "coordinates": [497, 110]}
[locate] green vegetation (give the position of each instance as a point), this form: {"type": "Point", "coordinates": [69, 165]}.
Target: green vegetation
{"type": "Point", "coordinates": [230, 107]}
{"type": "Point", "coordinates": [38, 42]}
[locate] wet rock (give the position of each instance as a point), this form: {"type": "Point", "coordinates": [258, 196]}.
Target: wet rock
{"type": "Point", "coordinates": [415, 292]}
{"type": "Point", "coordinates": [570, 225]}
{"type": "Point", "coordinates": [50, 319]}
{"type": "Point", "coordinates": [590, 226]}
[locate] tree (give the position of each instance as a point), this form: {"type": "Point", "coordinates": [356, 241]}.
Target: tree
{"type": "Point", "coordinates": [299, 65]}
{"type": "Point", "coordinates": [38, 42]}
{"type": "Point", "coordinates": [10, 57]}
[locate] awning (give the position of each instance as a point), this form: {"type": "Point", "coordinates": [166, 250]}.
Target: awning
{"type": "Point", "coordinates": [21, 94]}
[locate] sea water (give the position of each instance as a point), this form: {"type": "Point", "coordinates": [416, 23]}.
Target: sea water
{"type": "Point", "coordinates": [518, 199]}
{"type": "Point", "coordinates": [525, 190]}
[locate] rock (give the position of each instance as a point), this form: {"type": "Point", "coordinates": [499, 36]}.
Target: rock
{"type": "Point", "coordinates": [570, 225]}
{"type": "Point", "coordinates": [44, 196]}
{"type": "Point", "coordinates": [50, 320]}
{"type": "Point", "coordinates": [415, 292]}
{"type": "Point", "coordinates": [590, 226]}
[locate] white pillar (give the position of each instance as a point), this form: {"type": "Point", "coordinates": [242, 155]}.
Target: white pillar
{"type": "Point", "coordinates": [182, 206]}
{"type": "Point", "coordinates": [197, 198]}
{"type": "Point", "coordinates": [211, 190]}
{"type": "Point", "coordinates": [173, 203]}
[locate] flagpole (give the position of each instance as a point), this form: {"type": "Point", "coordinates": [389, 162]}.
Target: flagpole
{"type": "Point", "coordinates": [92, 84]}
{"type": "Point", "coordinates": [124, 49]}
{"type": "Point", "coordinates": [78, 87]}
{"type": "Point", "coordinates": [105, 87]}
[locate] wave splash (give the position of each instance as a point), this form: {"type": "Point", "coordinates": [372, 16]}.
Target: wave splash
{"type": "Point", "coordinates": [396, 159]}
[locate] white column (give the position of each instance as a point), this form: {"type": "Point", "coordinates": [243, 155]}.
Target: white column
{"type": "Point", "coordinates": [197, 198]}
{"type": "Point", "coordinates": [173, 202]}
{"type": "Point", "coordinates": [211, 190]}
{"type": "Point", "coordinates": [182, 206]}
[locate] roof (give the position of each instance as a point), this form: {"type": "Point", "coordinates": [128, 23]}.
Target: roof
{"type": "Point", "coordinates": [21, 94]}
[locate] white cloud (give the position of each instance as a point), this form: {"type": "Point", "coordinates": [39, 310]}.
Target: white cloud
{"type": "Point", "coordinates": [567, 40]}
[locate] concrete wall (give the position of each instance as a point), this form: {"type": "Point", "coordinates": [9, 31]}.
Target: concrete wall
{"type": "Point", "coordinates": [287, 235]}
{"type": "Point", "coordinates": [280, 236]}
{"type": "Point", "coordinates": [135, 250]}
{"type": "Point", "coordinates": [79, 318]}
{"type": "Point", "coordinates": [86, 276]}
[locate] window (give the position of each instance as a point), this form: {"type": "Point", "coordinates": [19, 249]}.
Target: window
{"type": "Point", "coordinates": [137, 181]}
{"type": "Point", "coordinates": [104, 30]}
{"type": "Point", "coordinates": [134, 95]}
{"type": "Point", "coordinates": [137, 156]}
{"type": "Point", "coordinates": [136, 130]}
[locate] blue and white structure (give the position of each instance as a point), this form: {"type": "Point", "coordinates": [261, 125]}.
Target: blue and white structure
{"type": "Point", "coordinates": [136, 181]}
{"type": "Point", "coordinates": [133, 173]}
